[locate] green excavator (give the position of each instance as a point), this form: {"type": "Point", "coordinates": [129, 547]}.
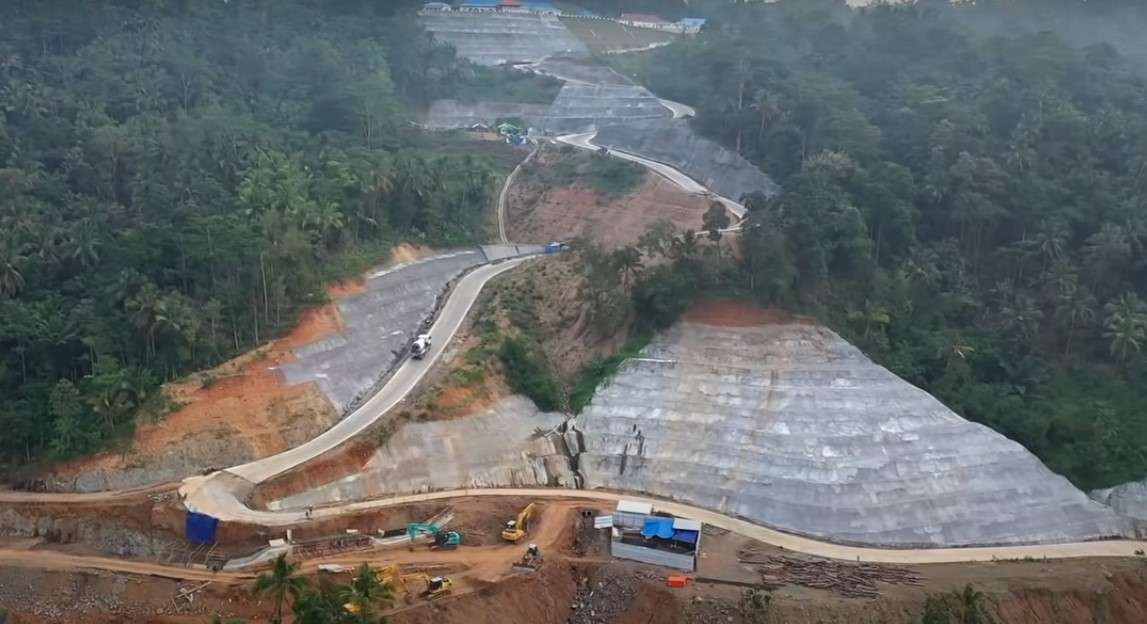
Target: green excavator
{"type": "Point", "coordinates": [442, 539]}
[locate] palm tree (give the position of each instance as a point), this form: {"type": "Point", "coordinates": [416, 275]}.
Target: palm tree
{"type": "Point", "coordinates": [628, 261]}
{"type": "Point", "coordinates": [1020, 315]}
{"type": "Point", "coordinates": [85, 244]}
{"type": "Point", "coordinates": [280, 582]}
{"type": "Point", "coordinates": [873, 313]}
{"type": "Point", "coordinates": [1107, 252]}
{"type": "Point", "coordinates": [955, 349]}
{"type": "Point", "coordinates": [1074, 309]}
{"type": "Point", "coordinates": [11, 279]}
{"type": "Point", "coordinates": [324, 605]}
{"type": "Point", "coordinates": [971, 606]}
{"type": "Point", "coordinates": [715, 219]}
{"type": "Point", "coordinates": [684, 246]}
{"type": "Point", "coordinates": [366, 592]}
{"type": "Point", "coordinates": [1126, 325]}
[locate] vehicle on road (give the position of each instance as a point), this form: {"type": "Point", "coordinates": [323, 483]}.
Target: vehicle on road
{"type": "Point", "coordinates": [421, 346]}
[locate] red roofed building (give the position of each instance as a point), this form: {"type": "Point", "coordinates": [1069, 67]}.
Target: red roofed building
{"type": "Point", "coordinates": [643, 20]}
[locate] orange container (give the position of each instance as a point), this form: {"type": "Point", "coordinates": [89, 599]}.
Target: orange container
{"type": "Point", "coordinates": [677, 581]}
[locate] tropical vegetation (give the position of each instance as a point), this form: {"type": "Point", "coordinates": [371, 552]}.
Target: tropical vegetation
{"type": "Point", "coordinates": [357, 602]}
{"type": "Point", "coordinates": [178, 180]}
{"type": "Point", "coordinates": [969, 207]}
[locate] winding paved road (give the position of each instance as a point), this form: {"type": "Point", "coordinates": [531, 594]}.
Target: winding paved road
{"type": "Point", "coordinates": [216, 494]}
{"type": "Point", "coordinates": [504, 192]}
{"type": "Point", "coordinates": [674, 175]}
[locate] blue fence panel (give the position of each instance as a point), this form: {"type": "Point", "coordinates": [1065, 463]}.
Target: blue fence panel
{"type": "Point", "coordinates": [201, 528]}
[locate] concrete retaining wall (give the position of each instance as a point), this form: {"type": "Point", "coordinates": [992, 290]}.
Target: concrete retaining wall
{"type": "Point", "coordinates": [509, 444]}
{"type": "Point", "coordinates": [379, 324]}
{"type": "Point", "coordinates": [790, 426]}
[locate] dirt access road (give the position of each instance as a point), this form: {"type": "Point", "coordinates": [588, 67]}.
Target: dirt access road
{"type": "Point", "coordinates": [788, 541]}
{"type": "Point", "coordinates": [475, 565]}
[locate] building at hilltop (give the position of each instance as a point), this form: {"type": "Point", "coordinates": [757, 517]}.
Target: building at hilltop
{"type": "Point", "coordinates": [479, 6]}
{"type": "Point", "coordinates": [690, 25]}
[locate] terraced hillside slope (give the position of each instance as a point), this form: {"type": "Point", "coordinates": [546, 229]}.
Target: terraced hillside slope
{"type": "Point", "coordinates": [581, 108]}
{"type": "Point", "coordinates": [783, 422]}
{"type": "Point", "coordinates": [494, 39]}
{"type": "Point", "coordinates": [675, 143]}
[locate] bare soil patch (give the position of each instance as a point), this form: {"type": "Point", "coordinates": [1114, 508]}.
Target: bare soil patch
{"type": "Point", "coordinates": [724, 313]}
{"type": "Point", "coordinates": [536, 212]}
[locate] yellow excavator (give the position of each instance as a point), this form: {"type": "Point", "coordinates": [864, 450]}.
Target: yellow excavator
{"type": "Point", "coordinates": [516, 529]}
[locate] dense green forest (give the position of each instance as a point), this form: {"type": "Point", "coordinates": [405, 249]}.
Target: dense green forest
{"type": "Point", "coordinates": [178, 179]}
{"type": "Point", "coordinates": [969, 208]}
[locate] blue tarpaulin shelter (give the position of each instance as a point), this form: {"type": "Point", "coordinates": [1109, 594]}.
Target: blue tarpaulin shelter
{"type": "Point", "coordinates": [687, 537]}
{"type": "Point", "coordinates": [201, 528]}
{"type": "Point", "coordinates": [658, 527]}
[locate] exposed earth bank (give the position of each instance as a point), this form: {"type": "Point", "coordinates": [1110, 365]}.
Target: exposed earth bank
{"type": "Point", "coordinates": [543, 204]}
{"type": "Point", "coordinates": [614, 593]}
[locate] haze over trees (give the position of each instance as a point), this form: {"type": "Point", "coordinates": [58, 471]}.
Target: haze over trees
{"type": "Point", "coordinates": [969, 208]}
{"type": "Point", "coordinates": [178, 179]}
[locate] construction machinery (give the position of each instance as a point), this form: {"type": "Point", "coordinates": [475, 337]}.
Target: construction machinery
{"type": "Point", "coordinates": [420, 347]}
{"type": "Point", "coordinates": [446, 540]}
{"type": "Point", "coordinates": [516, 529]}
{"type": "Point", "coordinates": [531, 561]}
{"type": "Point", "coordinates": [441, 539]}
{"type": "Point", "coordinates": [436, 586]}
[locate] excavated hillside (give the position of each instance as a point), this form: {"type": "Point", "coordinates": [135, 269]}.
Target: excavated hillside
{"type": "Point", "coordinates": [542, 208]}
{"type": "Point", "coordinates": [781, 421]}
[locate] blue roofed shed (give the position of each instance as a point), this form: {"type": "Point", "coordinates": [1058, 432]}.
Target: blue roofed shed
{"type": "Point", "coordinates": [691, 24]}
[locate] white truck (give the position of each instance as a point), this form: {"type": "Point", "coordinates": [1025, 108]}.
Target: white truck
{"type": "Point", "coordinates": [421, 346]}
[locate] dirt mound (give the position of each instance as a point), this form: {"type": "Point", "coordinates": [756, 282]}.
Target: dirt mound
{"type": "Point", "coordinates": [740, 314]}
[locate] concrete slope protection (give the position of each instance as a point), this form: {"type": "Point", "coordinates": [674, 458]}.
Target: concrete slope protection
{"type": "Point", "coordinates": [495, 39]}
{"type": "Point", "coordinates": [674, 143]}
{"type": "Point", "coordinates": [1128, 499]}
{"type": "Point", "coordinates": [581, 107]}
{"type": "Point", "coordinates": [790, 426]}
{"type": "Point", "coordinates": [379, 323]}
{"type": "Point", "coordinates": [452, 114]}
{"type": "Point", "coordinates": [511, 443]}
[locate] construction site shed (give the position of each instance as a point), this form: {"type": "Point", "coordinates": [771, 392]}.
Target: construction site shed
{"type": "Point", "coordinates": [636, 552]}
{"type": "Point", "coordinates": [635, 507]}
